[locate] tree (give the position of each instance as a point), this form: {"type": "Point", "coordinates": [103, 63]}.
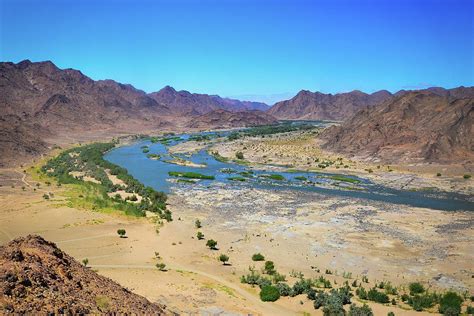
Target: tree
{"type": "Point", "coordinates": [258, 257]}
{"type": "Point", "coordinates": [200, 236]}
{"type": "Point", "coordinates": [450, 304]}
{"type": "Point", "coordinates": [269, 267]}
{"type": "Point", "coordinates": [211, 243]}
{"type": "Point", "coordinates": [269, 293]}
{"type": "Point", "coordinates": [239, 155]}
{"type": "Point", "coordinates": [85, 261]}
{"type": "Point", "coordinates": [121, 232]}
{"type": "Point", "coordinates": [224, 258]}
{"type": "Point", "coordinates": [197, 223]}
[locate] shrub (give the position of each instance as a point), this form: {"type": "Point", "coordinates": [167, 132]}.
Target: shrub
{"type": "Point", "coordinates": [416, 288]}
{"type": "Point", "coordinates": [121, 232]}
{"type": "Point", "coordinates": [45, 196]}
{"type": "Point", "coordinates": [363, 310]}
{"type": "Point", "coordinates": [470, 310]}
{"type": "Point", "coordinates": [438, 174]}
{"type": "Point", "coordinates": [333, 306]}
{"type": "Point", "coordinates": [258, 257]}
{"type": "Point", "coordinates": [362, 293]}
{"type": "Point", "coordinates": [239, 155]}
{"type": "Point", "coordinates": [320, 300]}
{"type": "Point", "coordinates": [277, 277]}
{"type": "Point", "coordinates": [224, 258]}
{"type": "Point", "coordinates": [302, 286]}
{"type": "Point", "coordinates": [450, 303]}
{"type": "Point", "coordinates": [420, 302]}
{"type": "Point", "coordinates": [85, 262]}
{"type": "Point", "coordinates": [269, 293]}
{"type": "Point", "coordinates": [262, 281]}
{"type": "Point", "coordinates": [197, 224]}
{"type": "Point", "coordinates": [466, 176]}
{"type": "Point", "coordinates": [161, 266]}
{"type": "Point", "coordinates": [376, 296]}
{"type": "Point", "coordinates": [269, 267]}
{"type": "Point", "coordinates": [390, 314]}
{"type": "Point", "coordinates": [252, 278]}
{"type": "Point", "coordinates": [211, 243]}
{"type": "Point", "coordinates": [283, 288]}
{"type": "Point", "coordinates": [200, 236]}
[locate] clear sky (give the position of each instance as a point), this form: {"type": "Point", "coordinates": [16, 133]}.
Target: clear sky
{"type": "Point", "coordinates": [264, 50]}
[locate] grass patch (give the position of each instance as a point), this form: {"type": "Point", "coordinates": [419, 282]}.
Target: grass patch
{"type": "Point", "coordinates": [301, 178]}
{"type": "Point", "coordinates": [186, 181]}
{"type": "Point", "coordinates": [344, 179]}
{"type": "Point", "coordinates": [190, 175]}
{"type": "Point", "coordinates": [277, 177]}
{"type": "Point", "coordinates": [153, 156]}
{"type": "Point", "coordinates": [242, 179]}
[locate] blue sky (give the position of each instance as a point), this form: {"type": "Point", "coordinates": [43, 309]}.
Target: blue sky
{"type": "Point", "coordinates": [263, 50]}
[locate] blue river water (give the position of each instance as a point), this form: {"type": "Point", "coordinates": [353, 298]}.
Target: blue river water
{"type": "Point", "coordinates": [154, 173]}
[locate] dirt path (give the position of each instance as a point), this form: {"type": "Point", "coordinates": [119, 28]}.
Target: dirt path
{"type": "Point", "coordinates": [253, 301]}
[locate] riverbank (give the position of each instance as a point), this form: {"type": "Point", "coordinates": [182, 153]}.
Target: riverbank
{"type": "Point", "coordinates": [301, 150]}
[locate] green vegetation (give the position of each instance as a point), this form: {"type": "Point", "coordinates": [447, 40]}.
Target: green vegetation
{"type": "Point", "coordinates": [211, 243]}
{"type": "Point", "coordinates": [277, 177]}
{"type": "Point", "coordinates": [301, 178]}
{"type": "Point", "coordinates": [438, 174]}
{"type": "Point", "coordinates": [88, 160]}
{"type": "Point", "coordinates": [190, 175]}
{"type": "Point", "coordinates": [146, 150]}
{"type": "Point", "coordinates": [218, 157]}
{"type": "Point", "coordinates": [258, 257]}
{"type": "Point", "coordinates": [121, 233]}
{"type": "Point", "coordinates": [200, 137]}
{"type": "Point", "coordinates": [344, 179]}
{"type": "Point", "coordinates": [376, 296]}
{"type": "Point", "coordinates": [200, 236]}
{"type": "Point", "coordinates": [165, 140]}
{"type": "Point", "coordinates": [197, 224]}
{"type": "Point", "coordinates": [450, 304]}
{"type": "Point", "coordinates": [161, 266]}
{"type": "Point", "coordinates": [224, 258]}
{"type": "Point", "coordinates": [364, 310]}
{"type": "Point", "coordinates": [269, 267]}
{"type": "Point", "coordinates": [85, 262]}
{"type": "Point", "coordinates": [241, 179]}
{"type": "Point", "coordinates": [416, 288]}
{"type": "Point", "coordinates": [466, 176]}
{"type": "Point", "coordinates": [153, 156]}
{"type": "Point", "coordinates": [270, 129]}
{"type": "Point", "coordinates": [269, 293]}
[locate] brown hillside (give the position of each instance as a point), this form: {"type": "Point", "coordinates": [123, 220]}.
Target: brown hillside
{"type": "Point", "coordinates": [36, 277]}
{"type": "Point", "coordinates": [415, 126]}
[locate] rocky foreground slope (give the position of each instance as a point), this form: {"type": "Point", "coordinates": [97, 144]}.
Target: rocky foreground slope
{"type": "Point", "coordinates": [36, 277]}
{"type": "Point", "coordinates": [434, 125]}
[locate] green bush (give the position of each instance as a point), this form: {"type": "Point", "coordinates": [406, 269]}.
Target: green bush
{"type": "Point", "coordinates": [269, 267]}
{"type": "Point", "coordinates": [283, 288]}
{"type": "Point", "coordinates": [258, 257]}
{"type": "Point", "coordinates": [416, 288]}
{"type": "Point", "coordinates": [211, 243]}
{"type": "Point", "coordinates": [376, 296]}
{"type": "Point", "coordinates": [224, 258]}
{"type": "Point", "coordinates": [421, 302]}
{"type": "Point", "coordinates": [450, 303]}
{"type": "Point", "coordinates": [269, 293]}
{"type": "Point", "coordinates": [239, 155]}
{"type": "Point", "coordinates": [363, 310]}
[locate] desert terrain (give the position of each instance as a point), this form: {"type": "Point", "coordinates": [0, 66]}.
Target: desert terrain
{"type": "Point", "coordinates": [342, 239]}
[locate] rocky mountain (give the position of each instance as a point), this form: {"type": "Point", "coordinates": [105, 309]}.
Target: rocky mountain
{"type": "Point", "coordinates": [433, 125]}
{"type": "Point", "coordinates": [43, 105]}
{"type": "Point", "coordinates": [307, 105]}
{"type": "Point", "coordinates": [227, 119]}
{"type": "Point", "coordinates": [36, 277]}
{"type": "Point", "coordinates": [187, 103]}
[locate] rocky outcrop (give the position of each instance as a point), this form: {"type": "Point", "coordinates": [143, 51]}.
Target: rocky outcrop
{"type": "Point", "coordinates": [36, 277]}
{"type": "Point", "coordinates": [434, 125]}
